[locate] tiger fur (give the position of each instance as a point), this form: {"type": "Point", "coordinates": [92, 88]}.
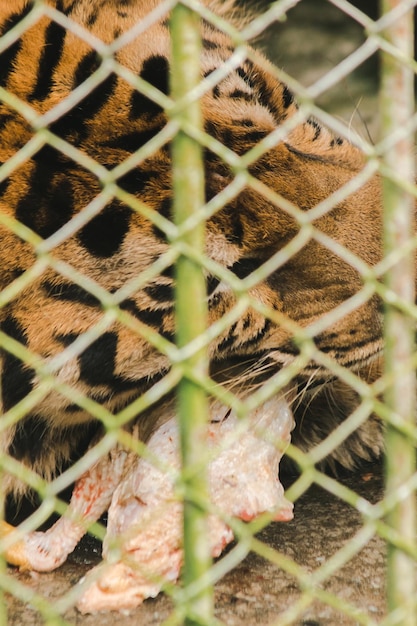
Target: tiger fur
{"type": "Point", "coordinates": [41, 68]}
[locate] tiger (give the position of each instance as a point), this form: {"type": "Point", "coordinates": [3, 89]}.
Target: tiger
{"type": "Point", "coordinates": [59, 225]}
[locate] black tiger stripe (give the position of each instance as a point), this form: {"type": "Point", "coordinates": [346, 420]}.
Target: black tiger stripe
{"type": "Point", "coordinates": [212, 284]}
{"type": "Point", "coordinates": [216, 89]}
{"type": "Point", "coordinates": [131, 141]}
{"type": "Point", "coordinates": [16, 377]}
{"type": "Point", "coordinates": [70, 292]}
{"type": "Point", "coordinates": [245, 76]}
{"type": "Point", "coordinates": [239, 94]}
{"type": "Point", "coordinates": [287, 97]}
{"type": "Point", "coordinates": [85, 68]}
{"type": "Point", "coordinates": [66, 11]}
{"type": "Point", "coordinates": [235, 234]}
{"type": "Point", "coordinates": [288, 348]}
{"type": "Point", "coordinates": [8, 57]}
{"type": "Point", "coordinates": [160, 292]}
{"type": "Point", "coordinates": [29, 439]}
{"type": "Point", "coordinates": [307, 156]}
{"type": "Point", "coordinates": [264, 94]}
{"type": "Point", "coordinates": [5, 117]}
{"type": "Point", "coordinates": [168, 272]}
{"type": "Point", "coordinates": [259, 335]}
{"type": "Point", "coordinates": [153, 318]}
{"type": "Point", "coordinates": [141, 385]}
{"type": "Point", "coordinates": [209, 45]}
{"type": "Point", "coordinates": [167, 334]}
{"type": "Point", "coordinates": [98, 363]}
{"type": "Point", "coordinates": [247, 123]}
{"type": "Point", "coordinates": [155, 70]}
{"type": "Point", "coordinates": [141, 105]}
{"type": "Point", "coordinates": [266, 99]}
{"type": "Point", "coordinates": [317, 128]}
{"type": "Point", "coordinates": [49, 157]}
{"type": "Point", "coordinates": [74, 124]}
{"type": "Point", "coordinates": [49, 202]}
{"type": "Point", "coordinates": [350, 364]}
{"type": "Point", "coordinates": [92, 18]}
{"type": "Point", "coordinates": [105, 233]}
{"type": "Point", "coordinates": [136, 180]}
{"type": "Point", "coordinates": [211, 129]}
{"type": "Point", "coordinates": [228, 341]}
{"type": "Point", "coordinates": [165, 209]}
{"type": "Point", "coordinates": [49, 60]}
{"type": "Point", "coordinates": [34, 439]}
{"type": "Point", "coordinates": [247, 323]}
{"type": "Point", "coordinates": [4, 184]}
{"type": "Point", "coordinates": [227, 137]}
{"type": "Point", "coordinates": [255, 136]}
{"type": "Point", "coordinates": [245, 266]}
{"type": "Point", "coordinates": [230, 137]}
{"type": "Point", "coordinates": [340, 350]}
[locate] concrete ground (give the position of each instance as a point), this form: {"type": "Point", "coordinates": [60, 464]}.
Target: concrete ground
{"type": "Point", "coordinates": [256, 591]}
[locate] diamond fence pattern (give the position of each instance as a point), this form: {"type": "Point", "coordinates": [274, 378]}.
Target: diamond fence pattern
{"type": "Point", "coordinates": [391, 397]}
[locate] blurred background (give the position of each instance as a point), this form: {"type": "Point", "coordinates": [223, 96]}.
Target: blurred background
{"type": "Point", "coordinates": [315, 38]}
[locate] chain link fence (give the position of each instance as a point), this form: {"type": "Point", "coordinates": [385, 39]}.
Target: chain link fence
{"type": "Point", "coordinates": [197, 429]}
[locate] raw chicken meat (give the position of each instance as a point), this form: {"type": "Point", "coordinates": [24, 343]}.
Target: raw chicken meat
{"type": "Point", "coordinates": [142, 549]}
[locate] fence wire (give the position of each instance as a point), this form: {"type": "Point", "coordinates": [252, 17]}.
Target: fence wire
{"type": "Point", "coordinates": [193, 414]}
{"type": "Point", "coordinates": [399, 328]}
{"type": "Point", "coordinates": [184, 480]}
